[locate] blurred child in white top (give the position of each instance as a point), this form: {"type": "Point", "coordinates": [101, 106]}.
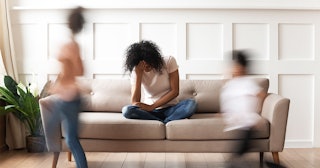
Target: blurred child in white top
{"type": "Point", "coordinates": [240, 98]}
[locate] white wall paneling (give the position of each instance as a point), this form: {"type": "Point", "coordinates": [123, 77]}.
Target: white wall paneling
{"type": "Point", "coordinates": [111, 44]}
{"type": "Point", "coordinates": [252, 36]}
{"type": "Point", "coordinates": [169, 4]}
{"type": "Point", "coordinates": [301, 107]}
{"type": "Point", "coordinates": [290, 41]}
{"type": "Point", "coordinates": [284, 44]}
{"type": "Point", "coordinates": [58, 34]}
{"type": "Point", "coordinates": [204, 41]}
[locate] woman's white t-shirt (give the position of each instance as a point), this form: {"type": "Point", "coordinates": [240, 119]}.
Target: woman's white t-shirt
{"type": "Point", "coordinates": [239, 103]}
{"type": "Point", "coordinates": [155, 84]}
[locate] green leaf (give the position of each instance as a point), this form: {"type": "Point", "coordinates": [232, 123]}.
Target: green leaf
{"type": "Point", "coordinates": [11, 85]}
{"type": "Point", "coordinates": [8, 96]}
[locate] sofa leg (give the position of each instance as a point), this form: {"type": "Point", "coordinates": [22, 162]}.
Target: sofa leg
{"type": "Point", "coordinates": [69, 156]}
{"type": "Point", "coordinates": [55, 159]}
{"type": "Point", "coordinates": [261, 158]}
{"type": "Point", "coordinates": [275, 156]}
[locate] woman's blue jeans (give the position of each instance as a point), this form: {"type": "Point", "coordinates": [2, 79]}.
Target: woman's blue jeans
{"type": "Point", "coordinates": [67, 112]}
{"type": "Point", "coordinates": [183, 109]}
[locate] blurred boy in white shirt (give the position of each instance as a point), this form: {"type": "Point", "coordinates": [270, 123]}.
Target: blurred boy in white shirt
{"type": "Point", "coordinates": [240, 100]}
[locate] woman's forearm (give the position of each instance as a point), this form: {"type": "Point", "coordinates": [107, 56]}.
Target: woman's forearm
{"type": "Point", "coordinates": [136, 91]}
{"type": "Point", "coordinates": [166, 98]}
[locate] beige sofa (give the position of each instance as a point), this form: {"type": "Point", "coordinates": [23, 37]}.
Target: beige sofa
{"type": "Point", "coordinates": [104, 129]}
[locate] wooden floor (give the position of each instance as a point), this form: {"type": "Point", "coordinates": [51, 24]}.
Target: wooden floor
{"type": "Point", "coordinates": [291, 158]}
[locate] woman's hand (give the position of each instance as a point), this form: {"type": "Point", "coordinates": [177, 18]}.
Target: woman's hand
{"type": "Point", "coordinates": [140, 68]}
{"type": "Point", "coordinates": [144, 106]}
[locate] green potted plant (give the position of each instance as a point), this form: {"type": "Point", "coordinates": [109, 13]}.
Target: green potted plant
{"type": "Point", "coordinates": [19, 100]}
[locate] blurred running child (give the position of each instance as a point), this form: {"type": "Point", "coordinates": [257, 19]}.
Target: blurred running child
{"type": "Point", "coordinates": [240, 99]}
{"type": "Point", "coordinates": [66, 91]}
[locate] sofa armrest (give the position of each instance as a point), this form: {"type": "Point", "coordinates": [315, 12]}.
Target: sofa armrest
{"type": "Point", "coordinates": [275, 109]}
{"type": "Point", "coordinates": [51, 126]}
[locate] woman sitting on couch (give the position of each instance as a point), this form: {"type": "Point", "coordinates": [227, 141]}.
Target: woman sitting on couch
{"type": "Point", "coordinates": [158, 77]}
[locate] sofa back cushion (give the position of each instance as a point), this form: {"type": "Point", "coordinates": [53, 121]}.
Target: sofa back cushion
{"type": "Point", "coordinates": [110, 95]}
{"type": "Point", "coordinates": [207, 92]}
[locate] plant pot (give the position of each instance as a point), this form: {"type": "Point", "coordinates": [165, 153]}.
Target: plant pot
{"type": "Point", "coordinates": [35, 144]}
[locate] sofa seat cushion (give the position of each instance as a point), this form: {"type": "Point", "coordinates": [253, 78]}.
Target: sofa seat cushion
{"type": "Point", "coordinates": [102, 125]}
{"type": "Point", "coordinates": [210, 127]}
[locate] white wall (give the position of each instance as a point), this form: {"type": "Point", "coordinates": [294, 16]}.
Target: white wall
{"type": "Point", "coordinates": [284, 37]}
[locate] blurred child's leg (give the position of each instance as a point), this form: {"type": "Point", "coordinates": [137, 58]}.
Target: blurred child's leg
{"type": "Point", "coordinates": [244, 143]}
{"type": "Point", "coordinates": [69, 114]}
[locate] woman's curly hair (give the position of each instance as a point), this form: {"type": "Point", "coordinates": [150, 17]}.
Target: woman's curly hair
{"type": "Point", "coordinates": [76, 20]}
{"type": "Point", "coordinates": [143, 51]}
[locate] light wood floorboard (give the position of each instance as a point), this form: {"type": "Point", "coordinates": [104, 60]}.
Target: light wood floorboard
{"type": "Point", "coordinates": [291, 158]}
{"type": "Point", "coordinates": [176, 160]}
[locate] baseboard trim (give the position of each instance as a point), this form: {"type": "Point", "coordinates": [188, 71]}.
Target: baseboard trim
{"type": "Point", "coordinates": [298, 144]}
{"type": "Point", "coordinates": [4, 148]}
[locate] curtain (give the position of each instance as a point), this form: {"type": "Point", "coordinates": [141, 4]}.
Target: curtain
{"type": "Point", "coordinates": [15, 130]}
